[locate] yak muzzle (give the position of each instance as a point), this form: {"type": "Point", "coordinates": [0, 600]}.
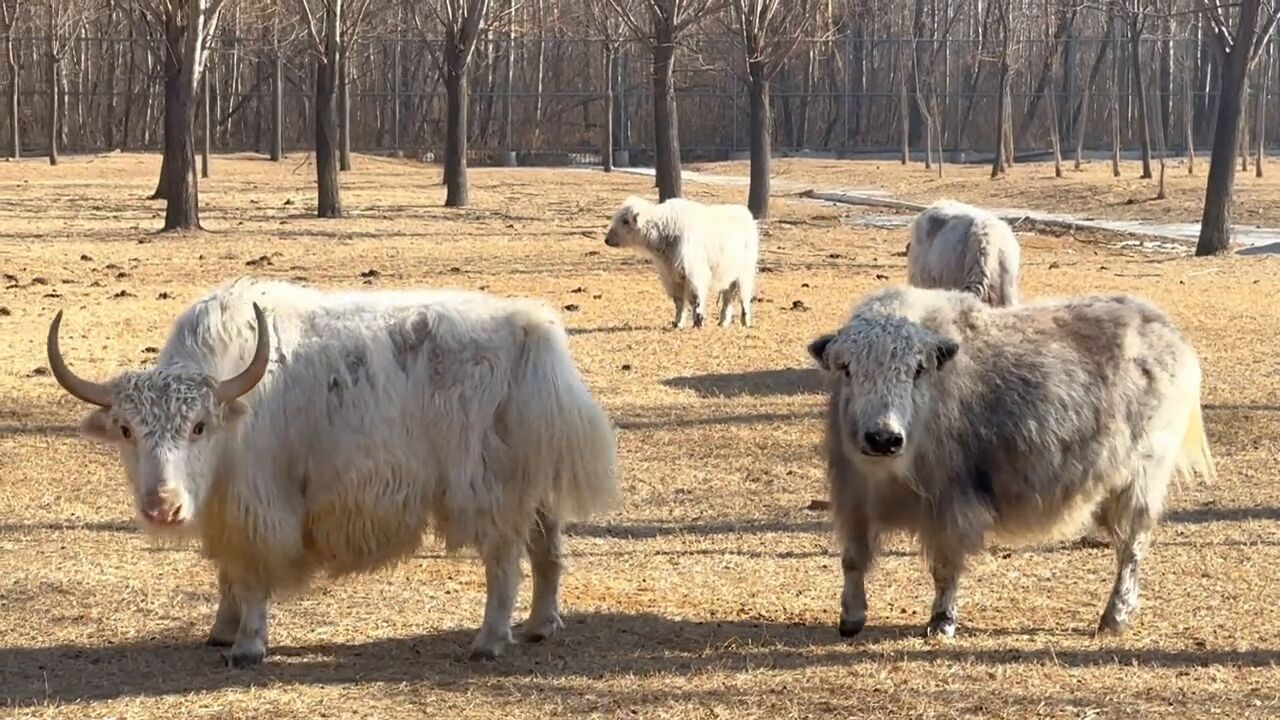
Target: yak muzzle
{"type": "Point", "coordinates": [882, 442]}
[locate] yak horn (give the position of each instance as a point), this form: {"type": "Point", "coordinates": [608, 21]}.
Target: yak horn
{"type": "Point", "coordinates": [233, 388]}
{"type": "Point", "coordinates": [81, 389]}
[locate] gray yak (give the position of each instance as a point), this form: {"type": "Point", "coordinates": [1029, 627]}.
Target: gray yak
{"type": "Point", "coordinates": [958, 422]}
{"type": "Point", "coordinates": [962, 247]}
{"type": "Point", "coordinates": [294, 431]}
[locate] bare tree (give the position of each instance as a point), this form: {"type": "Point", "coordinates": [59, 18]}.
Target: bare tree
{"type": "Point", "coordinates": [608, 26]}
{"type": "Point", "coordinates": [326, 31]}
{"type": "Point", "coordinates": [1236, 51]}
{"type": "Point", "coordinates": [1004, 22]}
{"type": "Point", "coordinates": [1260, 129]}
{"type": "Point", "coordinates": [65, 20]}
{"type": "Point", "coordinates": [1134, 13]}
{"type": "Point", "coordinates": [768, 32]}
{"type": "Point", "coordinates": [187, 27]}
{"type": "Point", "coordinates": [462, 21]}
{"type": "Point", "coordinates": [668, 20]}
{"type": "Point", "coordinates": [8, 22]}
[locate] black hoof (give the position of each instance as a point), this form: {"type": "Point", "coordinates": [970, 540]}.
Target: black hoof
{"type": "Point", "coordinates": [850, 628]}
{"type": "Point", "coordinates": [218, 642]}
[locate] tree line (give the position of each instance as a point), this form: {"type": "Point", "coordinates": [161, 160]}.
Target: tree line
{"type": "Point", "coordinates": [454, 79]}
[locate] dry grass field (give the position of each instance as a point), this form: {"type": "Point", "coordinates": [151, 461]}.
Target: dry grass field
{"type": "Point", "coordinates": [711, 591]}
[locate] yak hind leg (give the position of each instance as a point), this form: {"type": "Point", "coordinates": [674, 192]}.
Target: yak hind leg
{"type": "Point", "coordinates": [726, 305]}
{"type": "Point", "coordinates": [226, 623]}
{"type": "Point", "coordinates": [547, 564]}
{"type": "Point", "coordinates": [502, 580]}
{"type": "Point", "coordinates": [1131, 522]}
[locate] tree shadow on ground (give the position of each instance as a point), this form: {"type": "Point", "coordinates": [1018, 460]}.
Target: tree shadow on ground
{"type": "Point", "coordinates": [757, 383]}
{"type": "Point", "coordinates": [593, 647]}
{"type": "Point", "coordinates": [1222, 514]}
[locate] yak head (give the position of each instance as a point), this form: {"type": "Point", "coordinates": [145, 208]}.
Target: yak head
{"type": "Point", "coordinates": [627, 228]}
{"type": "Point", "coordinates": [885, 368]}
{"type": "Point", "coordinates": [165, 422]}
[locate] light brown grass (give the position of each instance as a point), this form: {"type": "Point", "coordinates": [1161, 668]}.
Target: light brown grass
{"type": "Point", "coordinates": [712, 591]}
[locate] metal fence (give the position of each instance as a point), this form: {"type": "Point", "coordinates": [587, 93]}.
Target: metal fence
{"type": "Point", "coordinates": [545, 97]}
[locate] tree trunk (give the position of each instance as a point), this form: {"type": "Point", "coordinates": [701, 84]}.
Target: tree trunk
{"type": "Point", "coordinates": [1188, 112]}
{"type": "Point", "coordinates": [1002, 111]}
{"type": "Point", "coordinates": [904, 110]}
{"type": "Point", "coordinates": [15, 135]}
{"type": "Point", "coordinates": [455, 146]}
{"type": "Point", "coordinates": [277, 108]}
{"type": "Point", "coordinates": [329, 203]}
{"type": "Point", "coordinates": [1260, 102]}
{"type": "Point", "coordinates": [206, 111]}
{"type": "Point", "coordinates": [344, 112]}
{"type": "Point", "coordinates": [666, 126]}
{"type": "Point", "coordinates": [172, 121]}
{"type": "Point", "coordinates": [606, 139]}
{"type": "Point", "coordinates": [53, 109]}
{"type": "Point", "coordinates": [1215, 224]}
{"type": "Point", "coordinates": [758, 194]}
{"type": "Point", "coordinates": [1140, 95]}
{"type": "Point", "coordinates": [182, 201]}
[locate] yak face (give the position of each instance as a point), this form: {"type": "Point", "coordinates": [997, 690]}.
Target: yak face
{"type": "Point", "coordinates": [625, 228]}
{"type": "Point", "coordinates": [166, 422]}
{"type": "Point", "coordinates": [166, 425]}
{"type": "Point", "coordinates": [886, 367]}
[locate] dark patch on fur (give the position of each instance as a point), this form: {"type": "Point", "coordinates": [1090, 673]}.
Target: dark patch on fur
{"type": "Point", "coordinates": [933, 225]}
{"type": "Point", "coordinates": [357, 362]}
{"type": "Point", "coordinates": [336, 389]}
{"type": "Point", "coordinates": [408, 338]}
{"type": "Point", "coordinates": [980, 480]}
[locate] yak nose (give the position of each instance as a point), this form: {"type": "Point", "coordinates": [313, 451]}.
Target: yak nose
{"type": "Point", "coordinates": [882, 441]}
{"type": "Point", "coordinates": [162, 509]}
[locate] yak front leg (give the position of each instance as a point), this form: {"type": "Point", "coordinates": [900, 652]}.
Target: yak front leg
{"type": "Point", "coordinates": [698, 301]}
{"type": "Point", "coordinates": [502, 579]}
{"type": "Point", "coordinates": [546, 561]}
{"type": "Point", "coordinates": [946, 570]}
{"type": "Point", "coordinates": [226, 624]}
{"type": "Point", "coordinates": [856, 560]}
{"type": "Point", "coordinates": [250, 646]}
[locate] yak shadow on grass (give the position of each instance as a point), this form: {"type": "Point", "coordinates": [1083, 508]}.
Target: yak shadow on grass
{"type": "Point", "coordinates": [604, 647]}
{"type": "Point", "coordinates": [646, 530]}
{"type": "Point", "coordinates": [757, 383]}
{"type": "Point", "coordinates": [57, 430]}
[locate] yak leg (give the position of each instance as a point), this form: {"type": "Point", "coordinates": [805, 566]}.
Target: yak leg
{"type": "Point", "coordinates": [250, 646]}
{"type": "Point", "coordinates": [744, 300]}
{"type": "Point", "coordinates": [227, 621]}
{"type": "Point", "coordinates": [946, 570]}
{"type": "Point", "coordinates": [855, 560]}
{"type": "Point", "coordinates": [502, 579]}
{"type": "Point", "coordinates": [678, 322]}
{"type": "Point", "coordinates": [1131, 522]}
{"type": "Point", "coordinates": [727, 306]}
{"type": "Point", "coordinates": [545, 558]}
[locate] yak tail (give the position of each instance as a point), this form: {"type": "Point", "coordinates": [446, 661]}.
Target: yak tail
{"type": "Point", "coordinates": [567, 439]}
{"type": "Point", "coordinates": [1196, 458]}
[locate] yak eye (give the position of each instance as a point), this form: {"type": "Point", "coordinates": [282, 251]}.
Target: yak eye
{"type": "Point", "coordinates": [125, 431]}
{"type": "Point", "coordinates": [198, 428]}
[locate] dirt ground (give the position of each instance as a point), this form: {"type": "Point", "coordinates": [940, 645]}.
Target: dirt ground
{"type": "Point", "coordinates": [711, 591]}
{"type": "Point", "coordinates": [1091, 192]}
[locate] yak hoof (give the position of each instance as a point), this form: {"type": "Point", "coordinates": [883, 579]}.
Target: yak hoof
{"type": "Point", "coordinates": [484, 654]}
{"type": "Point", "coordinates": [850, 628]}
{"type": "Point", "coordinates": [1110, 626]}
{"type": "Point", "coordinates": [244, 658]}
{"type": "Point", "coordinates": [941, 625]}
{"type": "Point", "coordinates": [537, 631]}
{"type": "Point", "coordinates": [698, 320]}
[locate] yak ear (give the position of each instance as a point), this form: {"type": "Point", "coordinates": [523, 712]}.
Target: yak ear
{"type": "Point", "coordinates": [945, 350]}
{"type": "Point", "coordinates": [818, 350]}
{"type": "Point", "coordinates": [97, 426]}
